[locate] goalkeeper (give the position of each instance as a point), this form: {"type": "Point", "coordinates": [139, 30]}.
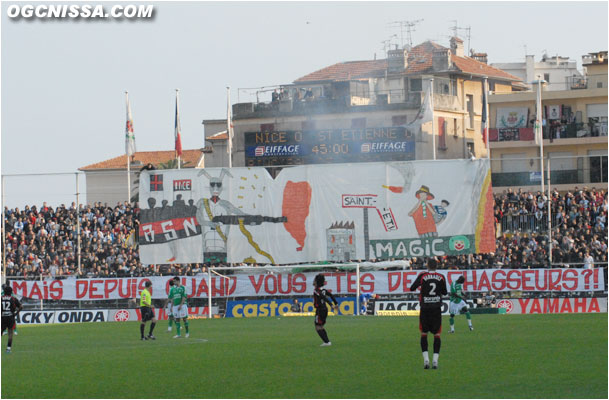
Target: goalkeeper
{"type": "Point", "coordinates": [457, 303]}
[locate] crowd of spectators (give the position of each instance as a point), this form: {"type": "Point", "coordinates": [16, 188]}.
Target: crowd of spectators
{"type": "Point", "coordinates": [43, 241]}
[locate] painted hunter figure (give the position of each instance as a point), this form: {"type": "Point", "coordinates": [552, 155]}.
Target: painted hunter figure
{"type": "Point", "coordinates": [423, 213]}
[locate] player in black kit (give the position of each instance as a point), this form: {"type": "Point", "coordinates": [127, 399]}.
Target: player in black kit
{"type": "Point", "coordinates": [320, 299]}
{"type": "Point", "coordinates": [433, 287]}
{"type": "Point", "coordinates": [10, 307]}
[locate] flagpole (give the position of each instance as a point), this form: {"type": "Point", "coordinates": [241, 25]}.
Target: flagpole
{"type": "Point", "coordinates": [485, 122]}
{"type": "Point", "coordinates": [431, 105]}
{"type": "Point", "coordinates": [229, 128]}
{"type": "Point", "coordinates": [128, 155]}
{"type": "Point", "coordinates": [178, 125]}
{"type": "Point", "coordinates": [539, 130]}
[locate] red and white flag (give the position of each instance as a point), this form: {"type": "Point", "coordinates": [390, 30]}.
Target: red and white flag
{"type": "Point", "coordinates": [178, 138]}
{"type": "Point", "coordinates": [129, 135]}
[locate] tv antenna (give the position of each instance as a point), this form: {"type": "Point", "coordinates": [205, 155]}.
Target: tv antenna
{"type": "Point", "coordinates": [409, 27]}
{"type": "Point", "coordinates": [468, 33]}
{"type": "Point", "coordinates": [387, 44]}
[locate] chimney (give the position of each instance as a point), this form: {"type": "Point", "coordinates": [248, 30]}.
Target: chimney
{"type": "Point", "coordinates": [441, 59]}
{"type": "Point", "coordinates": [481, 57]}
{"type": "Point", "coordinates": [456, 46]}
{"type": "Point", "coordinates": [397, 60]}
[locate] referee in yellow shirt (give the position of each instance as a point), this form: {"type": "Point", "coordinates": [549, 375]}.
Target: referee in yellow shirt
{"type": "Point", "coordinates": [147, 312]}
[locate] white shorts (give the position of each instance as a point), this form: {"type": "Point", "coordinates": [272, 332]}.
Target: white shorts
{"type": "Point", "coordinates": [180, 311]}
{"type": "Point", "coordinates": [455, 308]}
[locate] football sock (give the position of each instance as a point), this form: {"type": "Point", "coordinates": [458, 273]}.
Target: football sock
{"type": "Point", "coordinates": [469, 318]}
{"type": "Point", "coordinates": [151, 328]}
{"type": "Point", "coordinates": [323, 335]}
{"type": "Point", "coordinates": [435, 358]}
{"type": "Point", "coordinates": [452, 323]}
{"type": "Point", "coordinates": [178, 327]}
{"type": "Point", "coordinates": [424, 344]}
{"type": "Point", "coordinates": [186, 325]}
{"type": "Point", "coordinates": [426, 357]}
{"type": "Point", "coordinates": [9, 344]}
{"type": "Point", "coordinates": [437, 342]}
{"type": "Point", "coordinates": [170, 321]}
{"type": "Point", "coordinates": [142, 326]}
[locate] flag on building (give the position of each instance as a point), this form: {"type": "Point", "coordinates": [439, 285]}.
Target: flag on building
{"type": "Point", "coordinates": [129, 135]}
{"type": "Point", "coordinates": [178, 138]}
{"type": "Point", "coordinates": [538, 117]}
{"type": "Point", "coordinates": [484, 116]}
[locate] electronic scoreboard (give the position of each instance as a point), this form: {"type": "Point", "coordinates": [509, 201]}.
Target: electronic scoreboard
{"type": "Point", "coordinates": [292, 147]}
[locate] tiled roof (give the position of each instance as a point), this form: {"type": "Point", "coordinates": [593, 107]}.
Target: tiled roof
{"type": "Point", "coordinates": [419, 61]}
{"type": "Point", "coordinates": [345, 71]}
{"type": "Point", "coordinates": [193, 157]}
{"type": "Point", "coordinates": [218, 136]}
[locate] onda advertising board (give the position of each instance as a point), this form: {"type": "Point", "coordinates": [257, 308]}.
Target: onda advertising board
{"type": "Point", "coordinates": [277, 307]}
{"type": "Point", "coordinates": [61, 316]}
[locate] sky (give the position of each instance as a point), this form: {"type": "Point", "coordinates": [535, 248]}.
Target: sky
{"type": "Point", "coordinates": [63, 81]}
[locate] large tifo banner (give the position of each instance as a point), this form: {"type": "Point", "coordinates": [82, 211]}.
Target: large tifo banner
{"type": "Point", "coordinates": [301, 284]}
{"type": "Point", "coordinates": [311, 213]}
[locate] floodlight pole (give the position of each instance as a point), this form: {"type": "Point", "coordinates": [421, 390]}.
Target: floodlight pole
{"type": "Point", "coordinates": [357, 290]}
{"type": "Point", "coordinates": [3, 233]}
{"type": "Point", "coordinates": [209, 291]}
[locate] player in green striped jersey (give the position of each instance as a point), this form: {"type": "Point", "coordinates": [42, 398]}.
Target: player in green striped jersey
{"type": "Point", "coordinates": [169, 302]}
{"type": "Point", "coordinates": [180, 307]}
{"type": "Point", "coordinates": [457, 303]}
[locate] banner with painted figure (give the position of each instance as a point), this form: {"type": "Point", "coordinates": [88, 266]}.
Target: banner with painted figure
{"type": "Point", "coordinates": [342, 283]}
{"type": "Point", "coordinates": [310, 213]}
{"type": "Point", "coordinates": [512, 117]}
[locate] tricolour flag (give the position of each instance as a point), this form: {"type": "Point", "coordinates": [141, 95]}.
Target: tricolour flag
{"type": "Point", "coordinates": [178, 138]}
{"type": "Point", "coordinates": [484, 116]}
{"type": "Point", "coordinates": [129, 135]}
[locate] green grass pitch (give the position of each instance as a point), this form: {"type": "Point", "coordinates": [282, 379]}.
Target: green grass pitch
{"type": "Point", "coordinates": [507, 356]}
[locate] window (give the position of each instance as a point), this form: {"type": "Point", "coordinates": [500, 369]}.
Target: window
{"type": "Point", "coordinates": [470, 111]}
{"type": "Point", "coordinates": [416, 85]}
{"type": "Point", "coordinates": [546, 77]}
{"type": "Point", "coordinates": [441, 133]}
{"type": "Point", "coordinates": [598, 165]}
{"type": "Point", "coordinates": [445, 86]}
{"type": "Point", "coordinates": [470, 148]}
{"type": "Point", "coordinates": [599, 85]}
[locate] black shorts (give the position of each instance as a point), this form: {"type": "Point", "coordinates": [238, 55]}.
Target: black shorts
{"type": "Point", "coordinates": [320, 316]}
{"type": "Point", "coordinates": [8, 323]}
{"type": "Point", "coordinates": [147, 314]}
{"type": "Point", "coordinates": [430, 320]}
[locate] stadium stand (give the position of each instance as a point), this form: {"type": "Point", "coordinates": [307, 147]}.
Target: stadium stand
{"type": "Point", "coordinates": [43, 240]}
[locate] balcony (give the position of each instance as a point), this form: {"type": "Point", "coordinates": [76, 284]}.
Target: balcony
{"type": "Point", "coordinates": [564, 131]}
{"type": "Point", "coordinates": [388, 100]}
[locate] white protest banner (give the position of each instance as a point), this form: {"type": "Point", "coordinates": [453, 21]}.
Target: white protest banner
{"type": "Point", "coordinates": [300, 284]}
{"type": "Point", "coordinates": [310, 213]}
